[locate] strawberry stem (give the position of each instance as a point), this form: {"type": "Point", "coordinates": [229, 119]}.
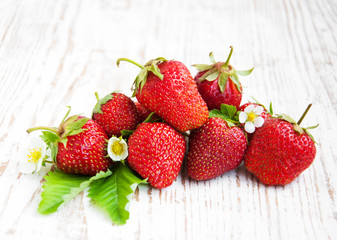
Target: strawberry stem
{"type": "Point", "coordinates": [130, 61]}
{"type": "Point", "coordinates": [54, 130]}
{"type": "Point", "coordinates": [229, 57]}
{"type": "Point", "coordinates": [97, 97]}
{"type": "Point", "coordinates": [305, 113]}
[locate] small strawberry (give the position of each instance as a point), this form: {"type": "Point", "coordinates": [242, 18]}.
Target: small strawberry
{"type": "Point", "coordinates": [216, 147]}
{"type": "Point", "coordinates": [78, 145]}
{"type": "Point", "coordinates": [115, 112]}
{"type": "Point", "coordinates": [156, 152]}
{"type": "Point", "coordinates": [280, 150]}
{"type": "Point", "coordinates": [252, 116]}
{"type": "Point", "coordinates": [167, 89]}
{"type": "Point", "coordinates": [222, 83]}
{"type": "Point", "coordinates": [143, 113]}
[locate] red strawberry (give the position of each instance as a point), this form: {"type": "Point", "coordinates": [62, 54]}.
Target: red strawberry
{"type": "Point", "coordinates": [156, 152]}
{"type": "Point", "coordinates": [222, 83]}
{"type": "Point", "coordinates": [78, 145]}
{"type": "Point", "coordinates": [116, 112]}
{"type": "Point", "coordinates": [214, 149]}
{"type": "Point", "coordinates": [253, 116]}
{"type": "Point", "coordinates": [279, 151]}
{"type": "Point", "coordinates": [167, 88]}
{"type": "Point", "coordinates": [143, 113]}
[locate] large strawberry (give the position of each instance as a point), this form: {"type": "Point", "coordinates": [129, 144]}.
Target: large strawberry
{"type": "Point", "coordinates": [116, 112]}
{"type": "Point", "coordinates": [156, 152]}
{"type": "Point", "coordinates": [215, 148]}
{"type": "Point", "coordinates": [279, 151]}
{"type": "Point", "coordinates": [219, 83]}
{"type": "Point", "coordinates": [78, 145]}
{"type": "Point", "coordinates": [167, 88]}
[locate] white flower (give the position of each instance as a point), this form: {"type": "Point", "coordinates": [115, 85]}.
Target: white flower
{"type": "Point", "coordinates": [33, 154]}
{"type": "Point", "coordinates": [117, 149]}
{"type": "Point", "coordinates": [251, 118]}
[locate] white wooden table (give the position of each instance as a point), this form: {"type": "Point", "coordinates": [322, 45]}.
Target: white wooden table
{"type": "Point", "coordinates": [58, 53]}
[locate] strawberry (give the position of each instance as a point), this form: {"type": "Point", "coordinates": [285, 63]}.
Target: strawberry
{"type": "Point", "coordinates": [215, 148]}
{"type": "Point", "coordinates": [78, 145]}
{"type": "Point", "coordinates": [143, 113]}
{"type": "Point", "coordinates": [156, 152]}
{"type": "Point", "coordinates": [222, 83]}
{"type": "Point", "coordinates": [115, 112]}
{"type": "Point", "coordinates": [280, 151]}
{"type": "Point", "coordinates": [167, 88]}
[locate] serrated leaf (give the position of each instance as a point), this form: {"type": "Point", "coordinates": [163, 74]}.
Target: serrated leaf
{"type": "Point", "coordinates": [112, 193]}
{"type": "Point", "coordinates": [203, 67]}
{"type": "Point", "coordinates": [228, 110]}
{"type": "Point", "coordinates": [244, 72]}
{"type": "Point", "coordinates": [57, 185]}
{"type": "Point", "coordinates": [100, 102]}
{"type": "Point", "coordinates": [61, 187]}
{"type": "Point", "coordinates": [77, 190]}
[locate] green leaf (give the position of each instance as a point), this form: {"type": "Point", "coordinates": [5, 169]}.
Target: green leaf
{"type": "Point", "coordinates": [100, 102]}
{"type": "Point", "coordinates": [61, 187]}
{"type": "Point", "coordinates": [212, 76]}
{"type": "Point", "coordinates": [112, 194]}
{"type": "Point", "coordinates": [77, 190]}
{"type": "Point", "coordinates": [211, 57]}
{"type": "Point", "coordinates": [57, 185]}
{"type": "Point", "coordinates": [312, 127]}
{"type": "Point", "coordinates": [209, 72]}
{"type": "Point", "coordinates": [228, 110]}
{"type": "Point", "coordinates": [244, 72]}
{"type": "Point", "coordinates": [127, 133]}
{"type": "Point", "coordinates": [234, 77]}
{"type": "Point", "coordinates": [222, 81]}
{"type": "Point", "coordinates": [271, 111]}
{"type": "Point", "coordinates": [203, 67]}
{"type": "Point", "coordinates": [286, 118]}
{"type": "Point", "coordinates": [218, 114]}
{"type": "Point", "coordinates": [51, 139]}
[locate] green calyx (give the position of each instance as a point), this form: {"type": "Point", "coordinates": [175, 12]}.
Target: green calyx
{"type": "Point", "coordinates": [221, 71]}
{"type": "Point", "coordinates": [296, 125]}
{"type": "Point", "coordinates": [100, 102]}
{"type": "Point", "coordinates": [52, 136]}
{"type": "Point", "coordinates": [150, 66]}
{"type": "Point", "coordinates": [228, 113]}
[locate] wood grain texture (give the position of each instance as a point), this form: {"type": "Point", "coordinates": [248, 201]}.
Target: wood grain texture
{"type": "Point", "coordinates": [58, 53]}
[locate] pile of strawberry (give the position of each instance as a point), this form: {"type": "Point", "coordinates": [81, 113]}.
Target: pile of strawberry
{"type": "Point", "coordinates": [177, 117]}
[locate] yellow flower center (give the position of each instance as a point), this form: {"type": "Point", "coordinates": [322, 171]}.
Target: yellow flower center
{"type": "Point", "coordinates": [34, 155]}
{"type": "Point", "coordinates": [117, 148]}
{"type": "Point", "coordinates": [251, 116]}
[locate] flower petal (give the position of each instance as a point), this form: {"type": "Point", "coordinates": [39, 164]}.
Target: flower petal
{"type": "Point", "coordinates": [259, 121]}
{"type": "Point", "coordinates": [249, 109]}
{"type": "Point", "coordinates": [123, 145]}
{"type": "Point", "coordinates": [258, 110]}
{"type": "Point", "coordinates": [243, 117]}
{"type": "Point", "coordinates": [249, 127]}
